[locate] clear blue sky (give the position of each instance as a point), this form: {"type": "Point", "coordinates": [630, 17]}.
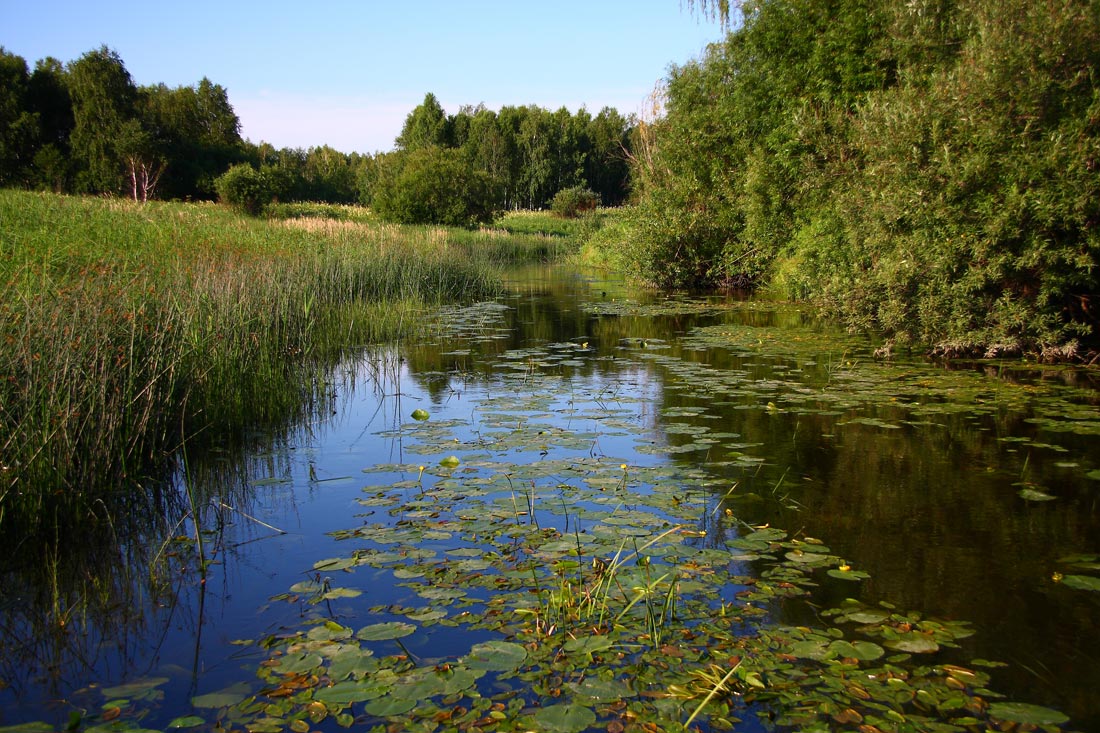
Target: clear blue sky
{"type": "Point", "coordinates": [346, 74]}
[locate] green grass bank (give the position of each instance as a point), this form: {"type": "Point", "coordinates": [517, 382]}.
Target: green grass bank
{"type": "Point", "coordinates": [126, 329]}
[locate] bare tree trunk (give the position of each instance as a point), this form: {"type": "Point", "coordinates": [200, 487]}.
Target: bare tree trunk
{"type": "Point", "coordinates": [132, 164]}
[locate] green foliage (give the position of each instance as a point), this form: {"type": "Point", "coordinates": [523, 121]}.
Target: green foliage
{"type": "Point", "coordinates": [197, 133]}
{"type": "Point", "coordinates": [426, 126]}
{"type": "Point", "coordinates": [104, 99]}
{"type": "Point", "coordinates": [927, 171]}
{"type": "Point", "coordinates": [314, 210]}
{"type": "Point", "coordinates": [569, 203]}
{"type": "Point", "coordinates": [18, 125]}
{"type": "Point", "coordinates": [433, 185]}
{"type": "Point", "coordinates": [245, 189]}
{"type": "Point", "coordinates": [527, 154]}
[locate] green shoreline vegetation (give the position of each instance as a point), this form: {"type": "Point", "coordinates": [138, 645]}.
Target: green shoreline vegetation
{"type": "Point", "coordinates": [127, 328]}
{"type": "Point", "coordinates": [926, 170]}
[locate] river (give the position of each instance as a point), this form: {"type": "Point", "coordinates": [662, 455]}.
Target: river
{"type": "Point", "coordinates": [963, 493]}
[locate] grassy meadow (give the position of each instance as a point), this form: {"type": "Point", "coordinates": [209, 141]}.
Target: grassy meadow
{"type": "Point", "coordinates": [127, 329]}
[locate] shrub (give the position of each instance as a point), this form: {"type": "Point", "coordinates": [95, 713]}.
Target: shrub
{"type": "Point", "coordinates": [433, 185]}
{"type": "Point", "coordinates": [569, 203]}
{"type": "Point", "coordinates": [244, 188]}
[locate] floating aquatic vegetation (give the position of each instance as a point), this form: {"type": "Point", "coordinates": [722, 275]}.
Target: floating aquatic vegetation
{"type": "Point", "coordinates": [605, 605]}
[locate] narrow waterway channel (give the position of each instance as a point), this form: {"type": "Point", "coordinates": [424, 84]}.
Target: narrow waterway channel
{"type": "Point", "coordinates": [964, 493]}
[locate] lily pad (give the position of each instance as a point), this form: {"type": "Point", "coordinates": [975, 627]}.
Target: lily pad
{"type": "Point", "coordinates": [496, 656]}
{"type": "Point", "coordinates": [425, 683]}
{"type": "Point", "coordinates": [914, 644]}
{"type": "Point", "coordinates": [347, 692]}
{"type": "Point", "coordinates": [1082, 582]}
{"type": "Point", "coordinates": [420, 415]}
{"type": "Point", "coordinates": [223, 698]}
{"type": "Point", "coordinates": [589, 644]}
{"type": "Point", "coordinates": [865, 651]}
{"type": "Point", "coordinates": [390, 705]}
{"type": "Point", "coordinates": [385, 630]}
{"type": "Point", "coordinates": [1024, 713]}
{"type": "Point", "coordinates": [187, 721]}
{"type": "Point", "coordinates": [564, 718]}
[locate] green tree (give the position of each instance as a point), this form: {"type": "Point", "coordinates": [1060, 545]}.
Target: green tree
{"type": "Point", "coordinates": [48, 95]}
{"type": "Point", "coordinates": [143, 157]}
{"type": "Point", "coordinates": [198, 132]}
{"type": "Point", "coordinates": [18, 123]}
{"type": "Point", "coordinates": [330, 176]}
{"type": "Point", "coordinates": [104, 99]}
{"type": "Point", "coordinates": [606, 166]}
{"type": "Point", "coordinates": [425, 126]}
{"type": "Point", "coordinates": [432, 185]}
{"type": "Point", "coordinates": [537, 173]}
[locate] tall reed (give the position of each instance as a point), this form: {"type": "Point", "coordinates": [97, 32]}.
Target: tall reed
{"type": "Point", "coordinates": [126, 328]}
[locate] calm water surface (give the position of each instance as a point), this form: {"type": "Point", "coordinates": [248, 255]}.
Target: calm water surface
{"type": "Point", "coordinates": [964, 492]}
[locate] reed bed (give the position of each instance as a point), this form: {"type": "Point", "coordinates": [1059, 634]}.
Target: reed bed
{"type": "Point", "coordinates": [126, 329]}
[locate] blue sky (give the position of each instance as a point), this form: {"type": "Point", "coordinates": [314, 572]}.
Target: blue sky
{"type": "Point", "coordinates": [346, 74]}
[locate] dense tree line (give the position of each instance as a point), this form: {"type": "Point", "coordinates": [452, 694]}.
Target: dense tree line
{"type": "Point", "coordinates": [86, 127]}
{"type": "Point", "coordinates": [460, 168]}
{"type": "Point", "coordinates": [930, 169]}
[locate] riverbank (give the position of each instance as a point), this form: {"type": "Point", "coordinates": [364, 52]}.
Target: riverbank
{"type": "Point", "coordinates": [126, 328]}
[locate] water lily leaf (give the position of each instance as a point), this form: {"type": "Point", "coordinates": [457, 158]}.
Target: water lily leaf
{"type": "Point", "coordinates": [385, 630]}
{"type": "Point", "coordinates": [1081, 582]}
{"type": "Point", "coordinates": [335, 593]}
{"type": "Point", "coordinates": [187, 721]}
{"type": "Point", "coordinates": [1035, 495]}
{"type": "Point", "coordinates": [808, 650]}
{"type": "Point", "coordinates": [424, 615]}
{"type": "Point", "coordinates": [420, 415]}
{"type": "Point", "coordinates": [28, 728]}
{"type": "Point", "coordinates": [566, 718]}
{"type": "Point", "coordinates": [331, 564]}
{"type": "Point", "coordinates": [865, 651]}
{"type": "Point", "coordinates": [345, 693]}
{"type": "Point", "coordinates": [868, 616]}
{"type": "Point", "coordinates": [589, 644]}
{"type": "Point", "coordinates": [914, 644]}
{"type": "Point", "coordinates": [450, 462]}
{"type": "Point", "coordinates": [848, 574]}
{"type": "Point", "coordinates": [496, 656]}
{"type": "Point", "coordinates": [328, 631]}
{"type": "Point", "coordinates": [603, 690]}
{"type": "Point", "coordinates": [799, 556]}
{"type": "Point", "coordinates": [223, 698]}
{"type": "Point", "coordinates": [351, 661]}
{"type": "Point", "coordinates": [425, 683]}
{"type": "Point", "coordinates": [441, 594]}
{"type": "Point", "coordinates": [299, 663]}
{"type": "Point", "coordinates": [135, 688]}
{"type": "Point", "coordinates": [1018, 712]}
{"type": "Point", "coordinates": [390, 705]}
